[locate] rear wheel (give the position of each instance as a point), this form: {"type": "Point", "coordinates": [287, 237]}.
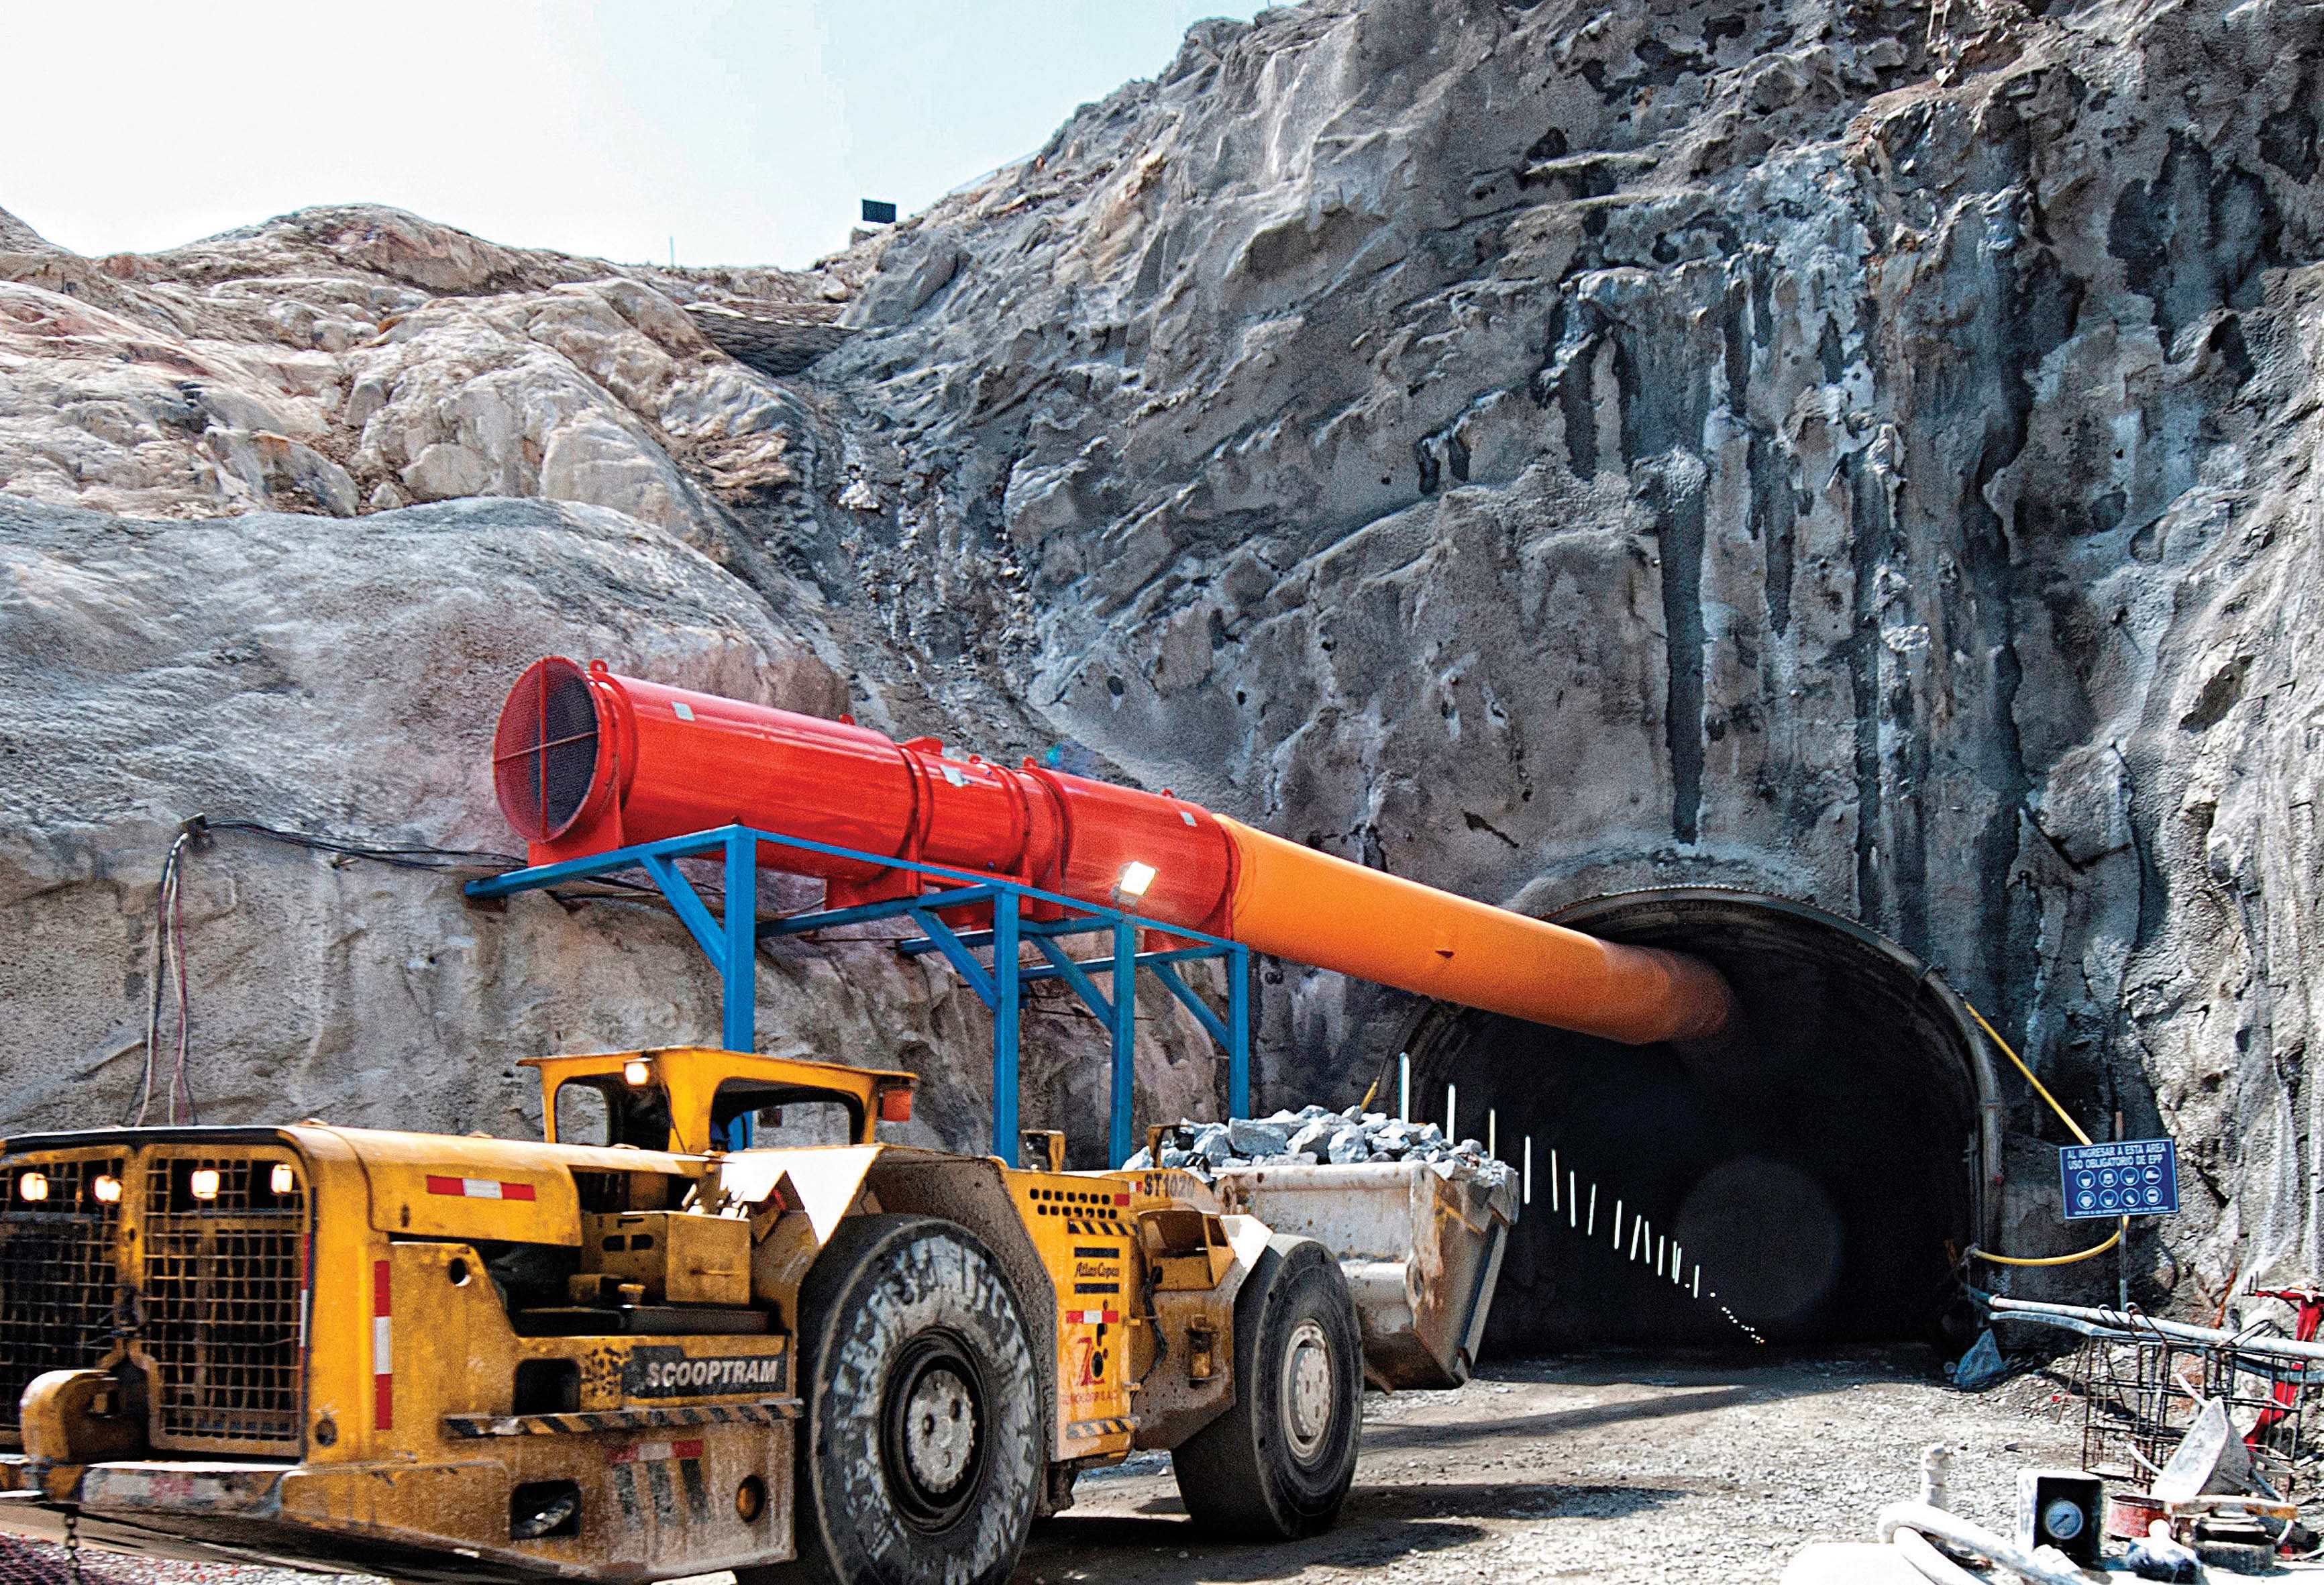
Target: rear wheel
{"type": "Point", "coordinates": [920, 1452]}
{"type": "Point", "coordinates": [1278, 1465]}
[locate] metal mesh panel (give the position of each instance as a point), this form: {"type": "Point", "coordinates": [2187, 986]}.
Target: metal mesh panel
{"type": "Point", "coordinates": [57, 1277]}
{"type": "Point", "coordinates": [545, 749]}
{"type": "Point", "coordinates": [224, 1269]}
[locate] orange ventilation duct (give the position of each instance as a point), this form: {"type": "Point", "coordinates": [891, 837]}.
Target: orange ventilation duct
{"type": "Point", "coordinates": [584, 761]}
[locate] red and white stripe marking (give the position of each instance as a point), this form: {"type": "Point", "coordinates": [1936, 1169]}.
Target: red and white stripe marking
{"type": "Point", "coordinates": [479, 1187]}
{"type": "Point", "coordinates": [654, 1452]}
{"type": "Point", "coordinates": [1094, 1317]}
{"type": "Point", "coordinates": [382, 1354]}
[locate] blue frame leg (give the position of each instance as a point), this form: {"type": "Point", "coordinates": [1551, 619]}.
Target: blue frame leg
{"type": "Point", "coordinates": [1007, 993]}
{"type": "Point", "coordinates": [1239, 1033]}
{"type": "Point", "coordinates": [738, 966]}
{"type": "Point", "coordinates": [1122, 1091]}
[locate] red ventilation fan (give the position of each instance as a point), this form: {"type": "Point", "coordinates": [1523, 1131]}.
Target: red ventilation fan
{"type": "Point", "coordinates": [545, 749]}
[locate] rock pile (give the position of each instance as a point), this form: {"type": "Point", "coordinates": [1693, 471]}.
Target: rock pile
{"type": "Point", "coordinates": [1316, 1136]}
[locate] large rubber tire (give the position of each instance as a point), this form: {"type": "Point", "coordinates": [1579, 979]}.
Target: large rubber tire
{"type": "Point", "coordinates": [1279, 1463]}
{"type": "Point", "coordinates": [920, 1446]}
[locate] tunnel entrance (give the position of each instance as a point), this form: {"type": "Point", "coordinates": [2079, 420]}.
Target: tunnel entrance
{"type": "Point", "coordinates": [1813, 1178]}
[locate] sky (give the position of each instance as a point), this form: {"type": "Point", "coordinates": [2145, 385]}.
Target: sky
{"type": "Point", "coordinates": [739, 133]}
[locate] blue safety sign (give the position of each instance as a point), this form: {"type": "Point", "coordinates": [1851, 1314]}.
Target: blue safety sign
{"type": "Point", "coordinates": [2129, 1177]}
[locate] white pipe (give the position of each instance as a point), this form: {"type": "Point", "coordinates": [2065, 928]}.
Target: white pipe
{"type": "Point", "coordinates": [1933, 1565]}
{"type": "Point", "coordinates": [1404, 1087]}
{"type": "Point", "coordinates": [2283, 1348]}
{"type": "Point", "coordinates": [1529, 1169]}
{"type": "Point", "coordinates": [1958, 1532]}
{"type": "Point", "coordinates": [1451, 1113]}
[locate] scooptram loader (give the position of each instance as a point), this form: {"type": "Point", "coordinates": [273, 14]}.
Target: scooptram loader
{"type": "Point", "coordinates": [446, 1358]}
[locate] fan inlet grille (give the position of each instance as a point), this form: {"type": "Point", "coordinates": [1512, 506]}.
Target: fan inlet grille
{"type": "Point", "coordinates": [545, 749]}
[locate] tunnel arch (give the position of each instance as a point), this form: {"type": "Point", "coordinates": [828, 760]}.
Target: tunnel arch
{"type": "Point", "coordinates": [1813, 1177]}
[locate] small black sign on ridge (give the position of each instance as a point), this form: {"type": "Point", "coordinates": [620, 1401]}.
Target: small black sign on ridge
{"type": "Point", "coordinates": [879, 212]}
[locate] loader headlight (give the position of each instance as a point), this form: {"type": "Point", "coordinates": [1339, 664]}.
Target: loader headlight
{"type": "Point", "coordinates": [107, 1189]}
{"type": "Point", "coordinates": [203, 1183]}
{"type": "Point", "coordinates": [32, 1186]}
{"type": "Point", "coordinates": [281, 1180]}
{"type": "Point", "coordinates": [637, 1072]}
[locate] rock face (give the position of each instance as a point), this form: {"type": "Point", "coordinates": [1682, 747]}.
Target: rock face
{"type": "Point", "coordinates": [1859, 451]}
{"type": "Point", "coordinates": [320, 676]}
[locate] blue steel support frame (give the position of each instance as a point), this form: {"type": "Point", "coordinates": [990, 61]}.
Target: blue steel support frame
{"type": "Point", "coordinates": [731, 943]}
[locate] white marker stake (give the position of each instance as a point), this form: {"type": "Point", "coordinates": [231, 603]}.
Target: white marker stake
{"type": "Point", "coordinates": [1698, 1282]}
{"type": "Point", "coordinates": [1452, 1113]}
{"type": "Point", "coordinates": [1592, 1230]}
{"type": "Point", "coordinates": [1553, 1180]}
{"type": "Point", "coordinates": [1637, 1229]}
{"type": "Point", "coordinates": [1662, 1247]}
{"type": "Point", "coordinates": [1572, 1198]}
{"type": "Point", "coordinates": [1492, 1134]}
{"type": "Point", "coordinates": [1529, 1169]}
{"type": "Point", "coordinates": [1404, 1087]}
{"type": "Point", "coordinates": [1617, 1227]}
{"type": "Point", "coordinates": [1678, 1262]}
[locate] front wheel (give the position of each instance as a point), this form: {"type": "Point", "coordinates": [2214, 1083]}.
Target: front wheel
{"type": "Point", "coordinates": [1279, 1463]}
{"type": "Point", "coordinates": [921, 1453]}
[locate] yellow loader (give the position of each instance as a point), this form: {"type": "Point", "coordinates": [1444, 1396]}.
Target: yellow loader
{"type": "Point", "coordinates": [624, 1354]}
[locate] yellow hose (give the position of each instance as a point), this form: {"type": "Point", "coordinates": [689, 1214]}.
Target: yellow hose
{"type": "Point", "coordinates": [2050, 1259]}
{"type": "Point", "coordinates": [2072, 1127]}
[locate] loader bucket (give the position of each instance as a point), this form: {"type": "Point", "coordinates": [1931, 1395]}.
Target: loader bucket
{"type": "Point", "coordinates": [1421, 1250]}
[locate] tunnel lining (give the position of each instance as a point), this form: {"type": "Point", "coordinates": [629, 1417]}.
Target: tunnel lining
{"type": "Point", "coordinates": [1930, 1074]}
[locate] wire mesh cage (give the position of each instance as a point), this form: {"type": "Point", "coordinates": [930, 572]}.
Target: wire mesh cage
{"type": "Point", "coordinates": [2141, 1393]}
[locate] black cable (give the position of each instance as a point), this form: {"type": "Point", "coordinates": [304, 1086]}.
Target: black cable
{"type": "Point", "coordinates": [165, 899]}
{"type": "Point", "coordinates": [435, 860]}
{"type": "Point", "coordinates": [410, 858]}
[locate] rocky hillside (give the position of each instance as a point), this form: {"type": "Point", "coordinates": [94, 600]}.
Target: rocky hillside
{"type": "Point", "coordinates": [1861, 451]}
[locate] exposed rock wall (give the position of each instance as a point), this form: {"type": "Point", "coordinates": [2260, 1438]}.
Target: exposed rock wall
{"type": "Point", "coordinates": [342, 680]}
{"type": "Point", "coordinates": [1861, 451]}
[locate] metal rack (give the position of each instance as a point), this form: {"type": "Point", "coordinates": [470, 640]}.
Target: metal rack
{"type": "Point", "coordinates": [2142, 1380]}
{"type": "Point", "coordinates": [2140, 1393]}
{"type": "Point", "coordinates": [732, 944]}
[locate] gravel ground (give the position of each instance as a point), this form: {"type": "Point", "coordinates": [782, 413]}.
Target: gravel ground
{"type": "Point", "coordinates": [1612, 1468]}
{"type": "Point", "coordinates": [1604, 1467]}
{"type": "Point", "coordinates": [35, 1563]}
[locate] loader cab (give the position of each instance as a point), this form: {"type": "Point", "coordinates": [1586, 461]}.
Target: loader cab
{"type": "Point", "coordinates": [693, 1099]}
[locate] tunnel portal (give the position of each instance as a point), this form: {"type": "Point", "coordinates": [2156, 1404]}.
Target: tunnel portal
{"type": "Point", "coordinates": [1812, 1178]}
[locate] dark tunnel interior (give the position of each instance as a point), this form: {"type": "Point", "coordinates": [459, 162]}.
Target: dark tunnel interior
{"type": "Point", "coordinates": [1812, 1180]}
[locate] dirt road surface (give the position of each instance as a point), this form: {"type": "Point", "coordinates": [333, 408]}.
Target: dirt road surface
{"type": "Point", "coordinates": [1615, 1469]}
{"type": "Point", "coordinates": [1606, 1469]}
